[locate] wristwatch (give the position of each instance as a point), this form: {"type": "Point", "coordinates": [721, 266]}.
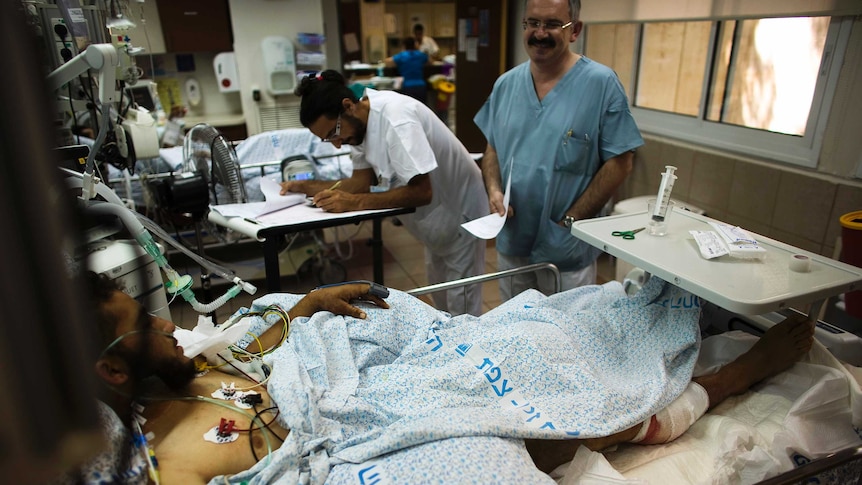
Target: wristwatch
{"type": "Point", "coordinates": [568, 221]}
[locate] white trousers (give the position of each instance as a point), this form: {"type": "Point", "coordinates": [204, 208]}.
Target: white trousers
{"type": "Point", "coordinates": [466, 257]}
{"type": "Point", "coordinates": [540, 280]}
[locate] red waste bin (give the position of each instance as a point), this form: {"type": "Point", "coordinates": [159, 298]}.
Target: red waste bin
{"type": "Point", "coordinates": [851, 253]}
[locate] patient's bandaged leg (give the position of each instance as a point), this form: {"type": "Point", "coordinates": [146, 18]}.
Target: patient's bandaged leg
{"type": "Point", "coordinates": [672, 421]}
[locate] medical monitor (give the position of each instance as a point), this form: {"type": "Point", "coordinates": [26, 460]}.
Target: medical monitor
{"type": "Point", "coordinates": [144, 94]}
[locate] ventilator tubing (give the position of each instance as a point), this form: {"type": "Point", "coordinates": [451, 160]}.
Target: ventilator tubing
{"type": "Point", "coordinates": [137, 225]}
{"type": "Point", "coordinates": [671, 422]}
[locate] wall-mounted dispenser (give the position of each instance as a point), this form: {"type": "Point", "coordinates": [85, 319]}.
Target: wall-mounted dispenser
{"type": "Point", "coordinates": [227, 77]}
{"type": "Point", "coordinates": [279, 64]}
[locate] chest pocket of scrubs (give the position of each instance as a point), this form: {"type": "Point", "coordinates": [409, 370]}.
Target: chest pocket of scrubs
{"type": "Point", "coordinates": [573, 153]}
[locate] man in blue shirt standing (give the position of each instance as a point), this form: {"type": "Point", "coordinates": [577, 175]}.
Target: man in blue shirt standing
{"type": "Point", "coordinates": [559, 125]}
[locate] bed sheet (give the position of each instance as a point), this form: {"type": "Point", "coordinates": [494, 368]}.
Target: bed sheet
{"type": "Point", "coordinates": [403, 388]}
{"type": "Point", "coordinates": [280, 144]}
{"type": "Point", "coordinates": [804, 413]}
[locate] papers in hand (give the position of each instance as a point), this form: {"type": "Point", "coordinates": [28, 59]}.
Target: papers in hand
{"type": "Point", "coordinates": [486, 227]}
{"type": "Point", "coordinates": [489, 226]}
{"type": "Point", "coordinates": [274, 202]}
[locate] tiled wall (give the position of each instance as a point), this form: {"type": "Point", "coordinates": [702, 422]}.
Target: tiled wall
{"type": "Point", "coordinates": [790, 205]}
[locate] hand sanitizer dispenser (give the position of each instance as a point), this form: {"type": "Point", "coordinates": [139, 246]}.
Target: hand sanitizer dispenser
{"type": "Point", "coordinates": [227, 77]}
{"type": "Point", "coordinates": [279, 64]}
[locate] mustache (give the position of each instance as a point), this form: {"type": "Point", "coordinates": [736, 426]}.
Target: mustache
{"type": "Point", "coordinates": [546, 42]}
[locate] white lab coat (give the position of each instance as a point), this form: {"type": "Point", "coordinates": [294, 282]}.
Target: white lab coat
{"type": "Point", "coordinates": [404, 138]}
{"type": "Point", "coordinates": [428, 46]}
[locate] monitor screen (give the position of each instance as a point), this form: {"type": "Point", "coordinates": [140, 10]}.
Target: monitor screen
{"type": "Point", "coordinates": [143, 96]}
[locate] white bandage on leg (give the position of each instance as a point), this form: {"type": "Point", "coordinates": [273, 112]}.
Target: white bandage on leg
{"type": "Point", "coordinates": [672, 421]}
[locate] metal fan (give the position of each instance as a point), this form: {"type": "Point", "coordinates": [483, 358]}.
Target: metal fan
{"type": "Point", "coordinates": [224, 168]}
{"type": "Point", "coordinates": [204, 143]}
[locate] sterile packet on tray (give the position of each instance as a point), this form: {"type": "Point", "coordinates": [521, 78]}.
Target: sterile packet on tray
{"type": "Point", "coordinates": [740, 242]}
{"type": "Point", "coordinates": [709, 243]}
{"type": "Point", "coordinates": [727, 239]}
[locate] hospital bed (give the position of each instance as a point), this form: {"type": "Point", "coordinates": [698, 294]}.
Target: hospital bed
{"type": "Point", "coordinates": [794, 426]}
{"type": "Point", "coordinates": [259, 155]}
{"type": "Point", "coordinates": [800, 426]}
{"type": "Point", "coordinates": [272, 154]}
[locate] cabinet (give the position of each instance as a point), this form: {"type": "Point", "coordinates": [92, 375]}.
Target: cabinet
{"type": "Point", "coordinates": [444, 23]}
{"type": "Point", "coordinates": [437, 18]}
{"type": "Point", "coordinates": [420, 13]}
{"type": "Point", "coordinates": [396, 20]}
{"type": "Point", "coordinates": [195, 26]}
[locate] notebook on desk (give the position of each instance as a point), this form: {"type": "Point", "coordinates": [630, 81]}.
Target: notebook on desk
{"type": "Point", "coordinates": [253, 210]}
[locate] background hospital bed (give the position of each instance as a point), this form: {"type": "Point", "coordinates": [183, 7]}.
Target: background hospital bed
{"type": "Point", "coordinates": [733, 443]}
{"type": "Point", "coordinates": [262, 155]}
{"type": "Point", "coordinates": [259, 155]}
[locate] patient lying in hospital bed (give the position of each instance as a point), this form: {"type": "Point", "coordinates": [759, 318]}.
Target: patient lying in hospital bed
{"type": "Point", "coordinates": [409, 394]}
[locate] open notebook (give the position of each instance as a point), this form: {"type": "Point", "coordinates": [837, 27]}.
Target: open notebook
{"type": "Point", "coordinates": [274, 202]}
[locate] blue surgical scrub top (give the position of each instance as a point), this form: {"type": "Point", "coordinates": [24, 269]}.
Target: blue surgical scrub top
{"type": "Point", "coordinates": [553, 148]}
{"type": "Point", "coordinates": [411, 65]}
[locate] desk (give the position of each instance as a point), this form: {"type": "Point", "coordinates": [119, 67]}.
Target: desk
{"type": "Point", "coordinates": [303, 218]}
{"type": "Point", "coordinates": [748, 287]}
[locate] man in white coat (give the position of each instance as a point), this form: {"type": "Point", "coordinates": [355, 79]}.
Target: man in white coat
{"type": "Point", "coordinates": [403, 156]}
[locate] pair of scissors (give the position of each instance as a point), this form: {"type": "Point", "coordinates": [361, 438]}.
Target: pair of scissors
{"type": "Point", "coordinates": [627, 234]}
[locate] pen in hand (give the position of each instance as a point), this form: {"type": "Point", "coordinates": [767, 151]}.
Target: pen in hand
{"type": "Point", "coordinates": [334, 186]}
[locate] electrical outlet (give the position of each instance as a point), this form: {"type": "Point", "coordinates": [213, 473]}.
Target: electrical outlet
{"type": "Point", "coordinates": [62, 43]}
{"type": "Point", "coordinates": [54, 30]}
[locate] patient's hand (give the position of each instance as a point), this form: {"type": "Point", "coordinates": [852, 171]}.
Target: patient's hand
{"type": "Point", "coordinates": [336, 299]}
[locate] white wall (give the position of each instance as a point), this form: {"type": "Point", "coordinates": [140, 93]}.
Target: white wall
{"type": "Point", "coordinates": [214, 103]}
{"type": "Point", "coordinates": [333, 34]}
{"type": "Point", "coordinates": [841, 154]}
{"type": "Point", "coordinates": [252, 20]}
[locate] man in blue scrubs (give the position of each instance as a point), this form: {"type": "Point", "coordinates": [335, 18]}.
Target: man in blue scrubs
{"type": "Point", "coordinates": [560, 126]}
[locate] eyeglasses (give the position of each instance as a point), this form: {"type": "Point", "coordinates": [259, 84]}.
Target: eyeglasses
{"type": "Point", "coordinates": [336, 132]}
{"type": "Point", "coordinates": [549, 26]}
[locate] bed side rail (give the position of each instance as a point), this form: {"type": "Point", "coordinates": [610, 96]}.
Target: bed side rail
{"type": "Point", "coordinates": [470, 280]}
{"type": "Point", "coordinates": [849, 457]}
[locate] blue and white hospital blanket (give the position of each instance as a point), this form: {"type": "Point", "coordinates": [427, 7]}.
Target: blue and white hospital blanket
{"type": "Point", "coordinates": [413, 395]}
